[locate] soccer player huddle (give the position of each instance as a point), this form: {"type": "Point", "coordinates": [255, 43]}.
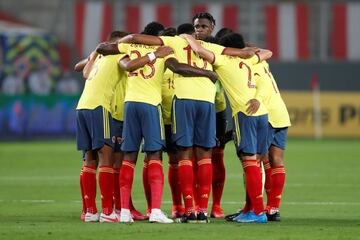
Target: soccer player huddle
{"type": "Point", "coordinates": [164, 90]}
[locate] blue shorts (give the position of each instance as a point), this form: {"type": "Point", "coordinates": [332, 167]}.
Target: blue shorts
{"type": "Point", "coordinates": [193, 123]}
{"type": "Point", "coordinates": [277, 137]}
{"type": "Point", "coordinates": [93, 128]}
{"type": "Point", "coordinates": [117, 134]}
{"type": "Point", "coordinates": [142, 120]}
{"type": "Point", "coordinates": [251, 133]}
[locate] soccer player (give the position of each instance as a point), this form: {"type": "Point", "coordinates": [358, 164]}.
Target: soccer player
{"type": "Point", "coordinates": [94, 133]}
{"type": "Point", "coordinates": [204, 24]}
{"type": "Point", "coordinates": [279, 121]}
{"type": "Point", "coordinates": [235, 75]}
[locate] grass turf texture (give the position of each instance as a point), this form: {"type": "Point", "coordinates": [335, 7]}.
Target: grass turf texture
{"type": "Point", "coordinates": [40, 199]}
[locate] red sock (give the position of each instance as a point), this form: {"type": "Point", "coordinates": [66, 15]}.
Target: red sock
{"type": "Point", "coordinates": [156, 181]}
{"type": "Point", "coordinates": [247, 206]}
{"type": "Point", "coordinates": [218, 175]}
{"type": "Point", "coordinates": [254, 184]}
{"type": "Point", "coordinates": [89, 184]}
{"type": "Point", "coordinates": [147, 189]}
{"type": "Point", "coordinates": [277, 186]}
{"type": "Point", "coordinates": [186, 178]}
{"type": "Point", "coordinates": [195, 183]}
{"type": "Point", "coordinates": [117, 202]}
{"type": "Point", "coordinates": [125, 182]}
{"type": "Point", "coordinates": [106, 184]}
{"type": "Point", "coordinates": [267, 168]}
{"type": "Point", "coordinates": [174, 184]}
{"type": "Point", "coordinates": [204, 176]}
{"type": "Point", "coordinates": [82, 191]}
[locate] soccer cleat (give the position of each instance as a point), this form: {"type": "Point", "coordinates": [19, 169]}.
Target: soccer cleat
{"type": "Point", "coordinates": [239, 215]}
{"type": "Point", "coordinates": [118, 213]}
{"type": "Point", "coordinates": [109, 218]}
{"type": "Point", "coordinates": [138, 216]}
{"type": "Point", "coordinates": [251, 217]}
{"type": "Point", "coordinates": [158, 216]}
{"type": "Point", "coordinates": [191, 218]}
{"type": "Point", "coordinates": [177, 211]}
{"type": "Point", "coordinates": [91, 217]}
{"type": "Point", "coordinates": [82, 216]}
{"type": "Point", "coordinates": [273, 215]}
{"type": "Point", "coordinates": [202, 218]}
{"type": "Point", "coordinates": [125, 216]}
{"type": "Point", "coordinates": [231, 217]}
{"type": "Point", "coordinates": [217, 212]}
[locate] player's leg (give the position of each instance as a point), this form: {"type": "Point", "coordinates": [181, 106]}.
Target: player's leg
{"type": "Point", "coordinates": [88, 176]}
{"type": "Point", "coordinates": [204, 141]}
{"type": "Point", "coordinates": [250, 134]}
{"type": "Point", "coordinates": [101, 140]}
{"type": "Point", "coordinates": [276, 156]}
{"type": "Point", "coordinates": [218, 180]}
{"type": "Point", "coordinates": [130, 146]}
{"type": "Point", "coordinates": [173, 179]}
{"type": "Point", "coordinates": [182, 129]}
{"type": "Point", "coordinates": [154, 140]}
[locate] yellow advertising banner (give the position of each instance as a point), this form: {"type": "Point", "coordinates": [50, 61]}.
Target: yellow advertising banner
{"type": "Point", "coordinates": [323, 114]}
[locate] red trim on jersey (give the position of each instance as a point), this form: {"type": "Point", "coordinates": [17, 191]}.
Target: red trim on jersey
{"type": "Point", "coordinates": [107, 20]}
{"type": "Point", "coordinates": [272, 39]}
{"type": "Point", "coordinates": [132, 18]}
{"type": "Point", "coordinates": [79, 27]}
{"type": "Point", "coordinates": [302, 30]}
{"type": "Point", "coordinates": [230, 16]}
{"type": "Point", "coordinates": [339, 31]}
{"type": "Point", "coordinates": [163, 14]}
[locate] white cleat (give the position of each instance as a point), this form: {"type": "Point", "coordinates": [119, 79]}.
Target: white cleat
{"type": "Point", "coordinates": [91, 217]}
{"type": "Point", "coordinates": [109, 218]}
{"type": "Point", "coordinates": [125, 216]}
{"type": "Point", "coordinates": [158, 216]}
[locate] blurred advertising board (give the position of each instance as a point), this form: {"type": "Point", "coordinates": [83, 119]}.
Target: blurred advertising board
{"type": "Point", "coordinates": [338, 114]}
{"type": "Point", "coordinates": [31, 116]}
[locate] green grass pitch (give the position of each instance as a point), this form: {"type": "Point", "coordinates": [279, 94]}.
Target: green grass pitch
{"type": "Point", "coordinates": [40, 199]}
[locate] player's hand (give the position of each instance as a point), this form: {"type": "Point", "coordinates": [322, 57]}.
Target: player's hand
{"type": "Point", "coordinates": [253, 106]}
{"type": "Point", "coordinates": [184, 35]}
{"type": "Point", "coordinates": [248, 52]}
{"type": "Point", "coordinates": [163, 51]}
{"type": "Point", "coordinates": [213, 76]}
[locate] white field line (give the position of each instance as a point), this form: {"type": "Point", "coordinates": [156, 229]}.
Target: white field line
{"type": "Point", "coordinates": [315, 203]}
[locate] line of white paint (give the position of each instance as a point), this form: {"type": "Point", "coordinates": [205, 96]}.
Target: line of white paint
{"type": "Point", "coordinates": [170, 202]}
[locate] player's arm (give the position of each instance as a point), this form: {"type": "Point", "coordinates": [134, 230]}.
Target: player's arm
{"type": "Point", "coordinates": [79, 66]}
{"type": "Point", "coordinates": [197, 48]}
{"type": "Point", "coordinates": [247, 52]}
{"type": "Point", "coordinates": [262, 92]}
{"type": "Point", "coordinates": [141, 39]}
{"type": "Point", "coordinates": [263, 54]}
{"type": "Point", "coordinates": [189, 71]}
{"type": "Point", "coordinates": [107, 48]}
{"type": "Point", "coordinates": [131, 65]}
{"type": "Point", "coordinates": [89, 65]}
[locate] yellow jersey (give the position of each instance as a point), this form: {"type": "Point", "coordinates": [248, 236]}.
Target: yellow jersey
{"type": "Point", "coordinates": [167, 91]}
{"type": "Point", "coordinates": [117, 105]}
{"type": "Point", "coordinates": [269, 94]}
{"type": "Point", "coordinates": [195, 88]}
{"type": "Point", "coordinates": [100, 85]}
{"type": "Point", "coordinates": [144, 84]}
{"type": "Point", "coordinates": [220, 101]}
{"type": "Point", "coordinates": [237, 80]}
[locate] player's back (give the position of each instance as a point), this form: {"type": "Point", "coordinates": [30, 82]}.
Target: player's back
{"type": "Point", "coordinates": [196, 88]}
{"type": "Point", "coordinates": [144, 84]}
{"type": "Point", "coordinates": [236, 78]}
{"type": "Point", "coordinates": [100, 85]}
{"type": "Point", "coordinates": [278, 114]}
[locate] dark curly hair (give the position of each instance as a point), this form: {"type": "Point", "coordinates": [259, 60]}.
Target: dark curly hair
{"type": "Point", "coordinates": [234, 40]}
{"type": "Point", "coordinates": [187, 28]}
{"type": "Point", "coordinates": [153, 28]}
{"type": "Point", "coordinates": [206, 15]}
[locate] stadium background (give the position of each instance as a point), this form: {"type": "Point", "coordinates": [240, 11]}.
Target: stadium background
{"type": "Point", "coordinates": [315, 45]}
